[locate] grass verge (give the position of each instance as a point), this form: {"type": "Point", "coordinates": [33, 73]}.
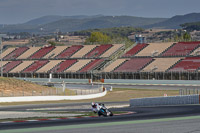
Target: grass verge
{"type": "Point", "coordinates": [117, 95]}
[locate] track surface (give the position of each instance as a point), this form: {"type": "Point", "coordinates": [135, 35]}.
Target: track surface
{"type": "Point", "coordinates": [144, 113]}
{"type": "Point", "coordinates": [98, 125]}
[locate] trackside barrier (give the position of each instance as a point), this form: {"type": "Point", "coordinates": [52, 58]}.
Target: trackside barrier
{"type": "Point", "coordinates": [55, 80]}
{"type": "Point", "coordinates": [50, 98]}
{"type": "Point", "coordinates": [152, 82]}
{"type": "Point", "coordinates": [171, 100]}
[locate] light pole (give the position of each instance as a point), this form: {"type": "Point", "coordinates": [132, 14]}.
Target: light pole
{"type": "Point", "coordinates": [1, 57]}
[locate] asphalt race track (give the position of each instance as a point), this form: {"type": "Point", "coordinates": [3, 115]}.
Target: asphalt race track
{"type": "Point", "coordinates": [183, 119]}
{"type": "Point", "coordinates": [166, 119]}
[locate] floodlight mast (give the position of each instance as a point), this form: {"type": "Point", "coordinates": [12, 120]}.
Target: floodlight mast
{"type": "Point", "coordinates": [1, 57]}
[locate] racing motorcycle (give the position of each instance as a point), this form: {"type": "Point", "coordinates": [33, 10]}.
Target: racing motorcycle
{"type": "Point", "coordinates": [103, 111]}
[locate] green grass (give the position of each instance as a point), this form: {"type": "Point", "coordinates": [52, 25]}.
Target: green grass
{"type": "Point", "coordinates": [122, 94]}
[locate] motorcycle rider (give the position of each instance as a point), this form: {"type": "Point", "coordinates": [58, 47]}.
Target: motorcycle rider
{"type": "Point", "coordinates": [96, 107]}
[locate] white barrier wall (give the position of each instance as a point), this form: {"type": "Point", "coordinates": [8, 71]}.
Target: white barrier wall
{"type": "Point", "coordinates": [159, 101]}
{"type": "Point", "coordinates": [50, 98]}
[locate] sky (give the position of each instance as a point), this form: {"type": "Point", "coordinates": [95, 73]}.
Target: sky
{"type": "Point", "coordinates": [20, 11]}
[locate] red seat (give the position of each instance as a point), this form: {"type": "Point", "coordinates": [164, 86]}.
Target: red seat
{"type": "Point", "coordinates": [16, 53]}
{"type": "Point", "coordinates": [135, 50]}
{"type": "Point", "coordinates": [99, 50]}
{"type": "Point", "coordinates": [133, 65]}
{"type": "Point", "coordinates": [42, 52]}
{"type": "Point", "coordinates": [69, 51]}
{"type": "Point", "coordinates": [35, 66]}
{"type": "Point", "coordinates": [9, 66]}
{"type": "Point", "coordinates": [91, 65]}
{"type": "Point", "coordinates": [188, 64]}
{"type": "Point", "coordinates": [181, 49]}
{"type": "Point", "coordinates": [63, 66]}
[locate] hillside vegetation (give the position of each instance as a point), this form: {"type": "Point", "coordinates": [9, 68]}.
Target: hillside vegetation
{"type": "Point", "coordinates": [48, 24]}
{"type": "Point", "coordinates": [112, 32]}
{"type": "Point", "coordinates": [191, 26]}
{"type": "Point", "coordinates": [176, 21]}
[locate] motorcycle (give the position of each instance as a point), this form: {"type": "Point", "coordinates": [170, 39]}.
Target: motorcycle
{"type": "Point", "coordinates": [104, 111]}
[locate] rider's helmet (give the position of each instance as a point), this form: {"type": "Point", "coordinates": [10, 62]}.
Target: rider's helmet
{"type": "Point", "coordinates": [93, 104]}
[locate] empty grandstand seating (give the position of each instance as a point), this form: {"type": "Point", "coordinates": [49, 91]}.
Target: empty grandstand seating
{"type": "Point", "coordinates": [196, 52]}
{"type": "Point", "coordinates": [52, 54]}
{"type": "Point", "coordinates": [112, 50]}
{"type": "Point", "coordinates": [153, 57]}
{"type": "Point", "coordinates": [4, 63]}
{"type": "Point", "coordinates": [69, 52]}
{"type": "Point", "coordinates": [189, 64]}
{"type": "Point", "coordinates": [42, 52]}
{"type": "Point", "coordinates": [181, 49]}
{"type": "Point", "coordinates": [29, 52]}
{"type": "Point", "coordinates": [48, 66]}
{"type": "Point", "coordinates": [21, 66]}
{"type": "Point", "coordinates": [154, 49]}
{"type": "Point", "coordinates": [63, 66]}
{"type": "Point", "coordinates": [17, 52]}
{"type": "Point", "coordinates": [160, 64]}
{"type": "Point", "coordinates": [98, 51]}
{"type": "Point", "coordinates": [82, 52]}
{"type": "Point", "coordinates": [133, 65]}
{"type": "Point", "coordinates": [7, 51]}
{"type": "Point", "coordinates": [91, 65]}
{"type": "Point", "coordinates": [135, 50]}
{"type": "Point", "coordinates": [35, 66]}
{"type": "Point", "coordinates": [113, 65]}
{"type": "Point", "coordinates": [77, 66]}
{"type": "Point", "coordinates": [9, 66]}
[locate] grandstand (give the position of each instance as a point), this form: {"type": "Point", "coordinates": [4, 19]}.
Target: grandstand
{"type": "Point", "coordinates": [83, 51]}
{"type": "Point", "coordinates": [35, 66]}
{"type": "Point", "coordinates": [7, 51]}
{"type": "Point", "coordinates": [181, 49]}
{"type": "Point", "coordinates": [56, 51]}
{"type": "Point", "coordinates": [113, 65]}
{"type": "Point", "coordinates": [154, 49]}
{"type": "Point", "coordinates": [63, 66]}
{"type": "Point", "coordinates": [10, 65]}
{"type": "Point", "coordinates": [135, 50]}
{"type": "Point", "coordinates": [29, 52]}
{"type": "Point", "coordinates": [133, 65]}
{"type": "Point", "coordinates": [69, 52]}
{"type": "Point", "coordinates": [42, 52]}
{"type": "Point", "coordinates": [188, 64]}
{"type": "Point", "coordinates": [160, 65]}
{"type": "Point", "coordinates": [21, 66]}
{"type": "Point", "coordinates": [49, 66]}
{"type": "Point", "coordinates": [98, 51]}
{"type": "Point", "coordinates": [15, 53]}
{"type": "Point", "coordinates": [91, 65]}
{"type": "Point", "coordinates": [155, 60]}
{"type": "Point", "coordinates": [77, 66]}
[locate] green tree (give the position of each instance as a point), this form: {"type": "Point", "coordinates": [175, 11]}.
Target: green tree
{"type": "Point", "coordinates": [52, 43]}
{"type": "Point", "coordinates": [98, 38]}
{"type": "Point", "coordinates": [186, 36]}
{"type": "Point", "coordinates": [176, 38]}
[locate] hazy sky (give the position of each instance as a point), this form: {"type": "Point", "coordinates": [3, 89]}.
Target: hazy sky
{"type": "Point", "coordinates": [19, 11]}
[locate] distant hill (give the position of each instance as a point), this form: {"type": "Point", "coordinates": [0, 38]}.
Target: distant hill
{"type": "Point", "coordinates": [75, 23]}
{"type": "Point", "coordinates": [53, 18]}
{"type": "Point", "coordinates": [191, 26]}
{"type": "Point", "coordinates": [99, 22]}
{"type": "Point", "coordinates": [176, 21]}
